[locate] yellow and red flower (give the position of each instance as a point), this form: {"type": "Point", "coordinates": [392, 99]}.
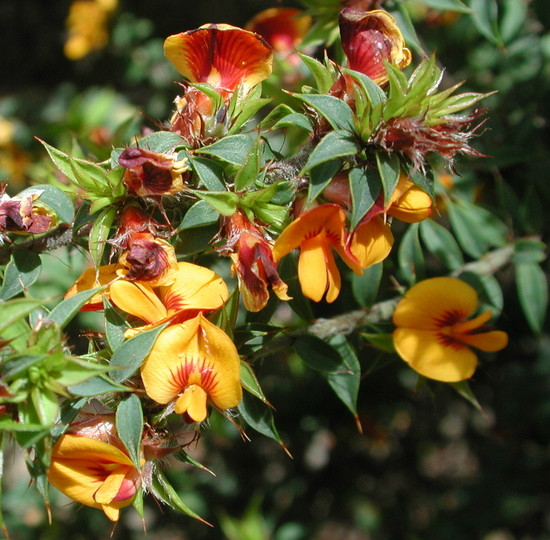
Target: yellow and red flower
{"type": "Point", "coordinates": [191, 365]}
{"type": "Point", "coordinates": [434, 332]}
{"type": "Point", "coordinates": [195, 289]}
{"type": "Point", "coordinates": [370, 38]}
{"type": "Point", "coordinates": [253, 262]}
{"type": "Point", "coordinates": [94, 473]}
{"type": "Point", "coordinates": [282, 28]}
{"type": "Point", "coordinates": [221, 55]}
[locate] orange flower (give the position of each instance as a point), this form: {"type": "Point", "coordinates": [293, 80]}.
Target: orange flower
{"type": "Point", "coordinates": [94, 473]}
{"type": "Point", "coordinates": [194, 289]}
{"type": "Point", "coordinates": [316, 232]}
{"type": "Point", "coordinates": [369, 39]}
{"type": "Point", "coordinates": [434, 334]}
{"type": "Point", "coordinates": [371, 241]}
{"type": "Point", "coordinates": [191, 364]}
{"type": "Point", "coordinates": [282, 28]}
{"type": "Point", "coordinates": [253, 262]}
{"type": "Point", "coordinates": [409, 203]}
{"type": "Point", "coordinates": [221, 55]}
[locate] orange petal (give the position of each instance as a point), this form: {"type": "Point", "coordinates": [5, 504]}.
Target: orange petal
{"type": "Point", "coordinates": [409, 203]}
{"type": "Point", "coordinates": [111, 485]}
{"type": "Point", "coordinates": [371, 242]}
{"type": "Point", "coordinates": [312, 268]}
{"type": "Point", "coordinates": [429, 356]}
{"type": "Point", "coordinates": [91, 278]}
{"type": "Point", "coordinates": [221, 55]}
{"type": "Point", "coordinates": [282, 28]}
{"type": "Point", "coordinates": [138, 299]}
{"type": "Point", "coordinates": [193, 402]}
{"type": "Point", "coordinates": [328, 217]}
{"type": "Point", "coordinates": [194, 288]}
{"type": "Point", "coordinates": [429, 303]}
{"type": "Point", "coordinates": [492, 341]}
{"type": "Point", "coordinates": [193, 352]}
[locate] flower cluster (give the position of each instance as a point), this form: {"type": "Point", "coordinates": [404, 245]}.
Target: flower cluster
{"type": "Point", "coordinates": [209, 191]}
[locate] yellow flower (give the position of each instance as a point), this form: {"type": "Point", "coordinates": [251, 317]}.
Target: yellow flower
{"type": "Point", "coordinates": [191, 364]}
{"type": "Point", "coordinates": [94, 473]}
{"type": "Point", "coordinates": [316, 232]}
{"type": "Point", "coordinates": [221, 55]}
{"type": "Point", "coordinates": [434, 334]}
{"type": "Point", "coordinates": [409, 203]}
{"type": "Point", "coordinates": [371, 241]}
{"type": "Point", "coordinates": [194, 289]}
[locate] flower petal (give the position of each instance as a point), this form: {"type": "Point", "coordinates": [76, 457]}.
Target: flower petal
{"type": "Point", "coordinates": [432, 358]}
{"type": "Point", "coordinates": [308, 225]}
{"type": "Point", "coordinates": [193, 352]}
{"type": "Point", "coordinates": [432, 302]}
{"type": "Point", "coordinates": [193, 402]}
{"type": "Point", "coordinates": [194, 288]}
{"type": "Point", "coordinates": [110, 487]}
{"type": "Point", "coordinates": [492, 341]}
{"type": "Point", "coordinates": [91, 278]}
{"type": "Point", "coordinates": [221, 55]}
{"type": "Point", "coordinates": [282, 28]}
{"type": "Point", "coordinates": [312, 268]}
{"type": "Point", "coordinates": [138, 299]}
{"type": "Point", "coordinates": [370, 38]}
{"type": "Point", "coordinates": [371, 242]}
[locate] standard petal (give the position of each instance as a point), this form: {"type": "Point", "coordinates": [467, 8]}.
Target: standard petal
{"type": "Point", "coordinates": [433, 303]}
{"type": "Point", "coordinates": [282, 28]}
{"type": "Point", "coordinates": [430, 356]}
{"type": "Point", "coordinates": [194, 288]}
{"type": "Point", "coordinates": [138, 299]}
{"type": "Point", "coordinates": [221, 55]}
{"type": "Point", "coordinates": [91, 278]}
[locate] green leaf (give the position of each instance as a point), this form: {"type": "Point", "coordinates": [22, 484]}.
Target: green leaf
{"type": "Point", "coordinates": [296, 120]}
{"type": "Point", "coordinates": [163, 490]}
{"type": "Point", "coordinates": [16, 309]}
{"type": "Point", "coordinates": [487, 287]}
{"type": "Point", "coordinates": [276, 115]}
{"type": "Point", "coordinates": [321, 74]}
{"type": "Point", "coordinates": [129, 356]}
{"type": "Point", "coordinates": [448, 5]}
{"type": "Point", "coordinates": [529, 251]}
{"type": "Point", "coordinates": [232, 149]}
{"type": "Point", "coordinates": [484, 16]}
{"type": "Point", "coordinates": [259, 417]}
{"type": "Point", "coordinates": [463, 389]}
{"type": "Point", "coordinates": [161, 141]}
{"type": "Point", "coordinates": [96, 386]}
{"type": "Point", "coordinates": [410, 256]}
{"type": "Point", "coordinates": [199, 215]}
{"type": "Point", "coordinates": [246, 110]}
{"type": "Point", "coordinates": [20, 273]}
{"type": "Point", "coordinates": [337, 112]}
{"type": "Point", "coordinates": [246, 176]}
{"type": "Point", "coordinates": [389, 169]}
{"type": "Point", "coordinates": [99, 234]}
{"type": "Point", "coordinates": [46, 405]}
{"type": "Point", "coordinates": [333, 145]}
{"type": "Point", "coordinates": [441, 243]}
{"type": "Point", "coordinates": [224, 202]}
{"type": "Point", "coordinates": [54, 199]}
{"type": "Point", "coordinates": [209, 172]}
{"type": "Point", "coordinates": [515, 14]}
{"type": "Point", "coordinates": [129, 426]}
{"type": "Point", "coordinates": [67, 309]}
{"type": "Point", "coordinates": [317, 354]}
{"type": "Point", "coordinates": [320, 177]}
{"type": "Point", "coordinates": [533, 294]}
{"type": "Point", "coordinates": [375, 94]}
{"type": "Point", "coordinates": [115, 326]}
{"type": "Point", "coordinates": [250, 383]}
{"type": "Point", "coordinates": [192, 241]}
{"type": "Point", "coordinates": [365, 187]}
{"type": "Point", "coordinates": [346, 381]}
{"type": "Point", "coordinates": [365, 287]}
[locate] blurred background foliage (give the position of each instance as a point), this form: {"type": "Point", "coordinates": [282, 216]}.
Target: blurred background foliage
{"type": "Point", "coordinates": [428, 465]}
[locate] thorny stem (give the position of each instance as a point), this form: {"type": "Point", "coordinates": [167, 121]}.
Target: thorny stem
{"type": "Point", "coordinates": [347, 323]}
